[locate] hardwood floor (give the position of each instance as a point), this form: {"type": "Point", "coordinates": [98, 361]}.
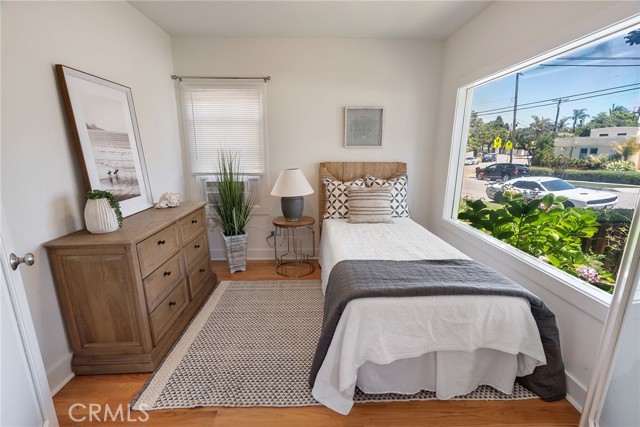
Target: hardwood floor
{"type": "Point", "coordinates": [74, 400]}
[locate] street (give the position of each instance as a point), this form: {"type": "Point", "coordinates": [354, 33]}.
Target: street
{"type": "Point", "coordinates": [475, 189]}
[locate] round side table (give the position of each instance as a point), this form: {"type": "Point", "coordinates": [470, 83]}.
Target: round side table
{"type": "Point", "coordinates": [294, 262]}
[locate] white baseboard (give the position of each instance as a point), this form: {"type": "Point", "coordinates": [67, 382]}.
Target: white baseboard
{"type": "Point", "coordinates": [576, 392]}
{"type": "Point", "coordinates": [60, 374]}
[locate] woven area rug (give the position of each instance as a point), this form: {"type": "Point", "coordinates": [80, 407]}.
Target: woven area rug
{"type": "Point", "coordinates": [252, 345]}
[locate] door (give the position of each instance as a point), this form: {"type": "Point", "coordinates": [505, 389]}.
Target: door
{"type": "Point", "coordinates": [25, 399]}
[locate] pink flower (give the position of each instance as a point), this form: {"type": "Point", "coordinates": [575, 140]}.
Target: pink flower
{"type": "Point", "coordinates": [588, 273]}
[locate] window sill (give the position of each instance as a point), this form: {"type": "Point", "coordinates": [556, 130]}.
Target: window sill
{"type": "Point", "coordinates": [587, 298]}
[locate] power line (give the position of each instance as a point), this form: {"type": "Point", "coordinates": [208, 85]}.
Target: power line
{"type": "Point", "coordinates": [601, 58]}
{"type": "Point", "coordinates": [501, 109]}
{"type": "Point", "coordinates": [484, 113]}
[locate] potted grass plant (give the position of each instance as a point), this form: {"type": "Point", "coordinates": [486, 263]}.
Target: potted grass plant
{"type": "Point", "coordinates": [232, 210]}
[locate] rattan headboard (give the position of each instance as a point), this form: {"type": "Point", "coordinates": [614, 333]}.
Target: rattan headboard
{"type": "Point", "coordinates": [347, 171]}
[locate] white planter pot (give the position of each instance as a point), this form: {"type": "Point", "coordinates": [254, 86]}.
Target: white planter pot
{"type": "Point", "coordinates": [99, 216]}
{"type": "Point", "coordinates": [236, 252]}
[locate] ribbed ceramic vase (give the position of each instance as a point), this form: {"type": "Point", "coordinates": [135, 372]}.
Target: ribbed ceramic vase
{"type": "Point", "coordinates": [236, 252]}
{"type": "Point", "coordinates": [99, 216]}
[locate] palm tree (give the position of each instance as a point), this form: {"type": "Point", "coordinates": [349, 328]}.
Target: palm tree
{"type": "Point", "coordinates": [617, 108]}
{"type": "Point", "coordinates": [627, 149]}
{"type": "Point", "coordinates": [578, 114]}
{"type": "Point", "coordinates": [562, 124]}
{"type": "Point", "coordinates": [540, 125]}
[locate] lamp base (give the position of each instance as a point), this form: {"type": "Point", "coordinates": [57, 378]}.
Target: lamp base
{"type": "Point", "coordinates": [292, 207]}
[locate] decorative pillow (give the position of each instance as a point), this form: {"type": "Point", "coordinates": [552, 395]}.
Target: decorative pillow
{"type": "Point", "coordinates": [399, 206]}
{"type": "Point", "coordinates": [337, 198]}
{"type": "Point", "coordinates": [369, 205]}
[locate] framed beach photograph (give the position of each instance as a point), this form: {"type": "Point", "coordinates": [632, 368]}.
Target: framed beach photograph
{"type": "Point", "coordinates": [105, 133]}
{"type": "Point", "coordinates": [363, 127]}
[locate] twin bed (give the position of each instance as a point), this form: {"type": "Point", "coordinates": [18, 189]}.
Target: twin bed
{"type": "Point", "coordinates": [405, 311]}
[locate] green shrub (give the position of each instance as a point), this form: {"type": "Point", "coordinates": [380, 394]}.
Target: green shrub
{"type": "Point", "coordinates": [614, 177]}
{"type": "Point", "coordinates": [620, 165]}
{"type": "Point", "coordinates": [614, 216]}
{"type": "Point", "coordinates": [545, 229]}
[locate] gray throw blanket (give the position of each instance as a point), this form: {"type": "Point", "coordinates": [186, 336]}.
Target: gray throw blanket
{"type": "Point", "coordinates": [353, 279]}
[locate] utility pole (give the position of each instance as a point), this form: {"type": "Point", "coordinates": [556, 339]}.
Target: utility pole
{"type": "Point", "coordinates": [555, 126]}
{"type": "Point", "coordinates": [513, 127]}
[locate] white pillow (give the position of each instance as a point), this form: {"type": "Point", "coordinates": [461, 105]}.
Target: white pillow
{"type": "Point", "coordinates": [337, 197]}
{"type": "Point", "coordinates": [399, 205]}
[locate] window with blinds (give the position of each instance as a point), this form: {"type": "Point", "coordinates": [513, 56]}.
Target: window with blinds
{"type": "Point", "coordinates": [224, 117]}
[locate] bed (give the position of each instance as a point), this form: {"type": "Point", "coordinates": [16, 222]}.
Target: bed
{"type": "Point", "coordinates": [449, 344]}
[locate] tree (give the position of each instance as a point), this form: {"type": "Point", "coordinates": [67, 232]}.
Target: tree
{"type": "Point", "coordinates": [627, 149]}
{"type": "Point", "coordinates": [617, 108]}
{"type": "Point", "coordinates": [541, 125]}
{"type": "Point", "coordinates": [633, 38]}
{"type": "Point", "coordinates": [578, 114]}
{"type": "Point", "coordinates": [562, 124]}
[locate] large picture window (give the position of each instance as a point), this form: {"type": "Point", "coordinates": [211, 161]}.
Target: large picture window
{"type": "Point", "coordinates": [550, 155]}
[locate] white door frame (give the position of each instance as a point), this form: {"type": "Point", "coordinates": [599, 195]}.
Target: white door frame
{"type": "Point", "coordinates": [27, 331]}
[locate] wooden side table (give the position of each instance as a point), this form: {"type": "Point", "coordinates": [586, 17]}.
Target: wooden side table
{"type": "Point", "coordinates": [294, 262]}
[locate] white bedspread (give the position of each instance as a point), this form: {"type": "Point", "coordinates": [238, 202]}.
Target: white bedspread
{"type": "Point", "coordinates": [447, 344]}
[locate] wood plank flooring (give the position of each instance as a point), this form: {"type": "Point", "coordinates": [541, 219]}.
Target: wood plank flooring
{"type": "Point", "coordinates": [82, 391]}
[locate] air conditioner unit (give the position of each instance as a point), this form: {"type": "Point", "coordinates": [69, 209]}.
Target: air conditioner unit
{"type": "Point", "coordinates": [209, 188]}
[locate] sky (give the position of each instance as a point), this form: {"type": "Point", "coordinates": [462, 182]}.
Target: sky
{"type": "Point", "coordinates": [618, 66]}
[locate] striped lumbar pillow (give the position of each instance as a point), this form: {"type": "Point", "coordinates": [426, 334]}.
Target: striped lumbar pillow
{"type": "Point", "coordinates": [372, 205]}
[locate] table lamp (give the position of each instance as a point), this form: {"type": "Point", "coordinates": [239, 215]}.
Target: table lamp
{"type": "Point", "coordinates": [291, 186]}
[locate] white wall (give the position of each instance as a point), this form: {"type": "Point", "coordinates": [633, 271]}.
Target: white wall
{"type": "Point", "coordinates": [42, 190]}
{"type": "Point", "coordinates": [312, 81]}
{"type": "Point", "coordinates": [505, 34]}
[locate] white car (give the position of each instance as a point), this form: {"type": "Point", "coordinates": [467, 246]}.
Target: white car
{"type": "Point", "coordinates": [539, 186]}
{"type": "Point", "coordinates": [471, 161]}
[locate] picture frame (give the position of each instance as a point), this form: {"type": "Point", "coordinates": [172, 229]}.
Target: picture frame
{"type": "Point", "coordinates": [363, 127]}
{"type": "Point", "coordinates": [104, 129]}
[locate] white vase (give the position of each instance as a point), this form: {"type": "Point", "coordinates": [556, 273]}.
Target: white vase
{"type": "Point", "coordinates": [236, 252]}
{"type": "Point", "coordinates": [99, 216]}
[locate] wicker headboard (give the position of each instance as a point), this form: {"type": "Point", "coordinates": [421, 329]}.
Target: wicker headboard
{"type": "Point", "coordinates": [347, 171]}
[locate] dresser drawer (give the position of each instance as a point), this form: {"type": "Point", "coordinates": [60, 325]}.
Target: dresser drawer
{"type": "Point", "coordinates": [162, 281]}
{"type": "Point", "coordinates": [195, 250]}
{"type": "Point", "coordinates": [155, 250]}
{"type": "Point", "coordinates": [192, 225]}
{"type": "Point", "coordinates": [199, 277]}
{"type": "Point", "coordinates": [167, 311]}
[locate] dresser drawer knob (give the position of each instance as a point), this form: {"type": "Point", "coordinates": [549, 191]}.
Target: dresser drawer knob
{"type": "Point", "coordinates": [202, 270]}
{"type": "Point", "coordinates": [161, 242]}
{"type": "Point", "coordinates": [194, 221]}
{"type": "Point", "coordinates": [167, 273]}
{"type": "Point", "coordinates": [172, 303]}
{"type": "Point", "coordinates": [196, 247]}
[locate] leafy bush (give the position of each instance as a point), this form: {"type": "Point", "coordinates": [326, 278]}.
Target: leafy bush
{"type": "Point", "coordinates": [614, 216]}
{"type": "Point", "coordinates": [620, 165]}
{"type": "Point", "coordinates": [614, 177]}
{"type": "Point", "coordinates": [545, 229]}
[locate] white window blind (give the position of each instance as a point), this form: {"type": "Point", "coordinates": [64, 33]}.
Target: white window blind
{"type": "Point", "coordinates": [224, 118]}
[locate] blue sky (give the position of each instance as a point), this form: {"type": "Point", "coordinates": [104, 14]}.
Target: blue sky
{"type": "Point", "coordinates": [542, 82]}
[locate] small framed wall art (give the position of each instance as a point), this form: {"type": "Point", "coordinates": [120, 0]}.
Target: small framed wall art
{"type": "Point", "coordinates": [363, 127]}
{"type": "Point", "coordinates": [105, 133]}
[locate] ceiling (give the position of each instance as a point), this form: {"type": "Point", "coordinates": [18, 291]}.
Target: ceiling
{"type": "Point", "coordinates": [339, 19]}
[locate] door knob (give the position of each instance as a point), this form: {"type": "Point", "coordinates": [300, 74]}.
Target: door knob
{"type": "Point", "coordinates": [28, 259]}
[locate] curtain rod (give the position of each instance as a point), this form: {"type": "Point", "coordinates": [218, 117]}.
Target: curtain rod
{"type": "Point", "coordinates": [265, 78]}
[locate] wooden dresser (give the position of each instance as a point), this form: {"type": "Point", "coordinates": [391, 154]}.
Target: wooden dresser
{"type": "Point", "coordinates": [126, 296]}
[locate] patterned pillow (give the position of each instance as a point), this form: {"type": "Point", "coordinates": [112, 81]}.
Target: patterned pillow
{"type": "Point", "coordinates": [399, 206]}
{"type": "Point", "coordinates": [337, 198]}
{"type": "Point", "coordinates": [369, 205]}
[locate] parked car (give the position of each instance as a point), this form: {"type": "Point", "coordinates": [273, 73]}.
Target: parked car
{"type": "Point", "coordinates": [539, 186]}
{"type": "Point", "coordinates": [471, 161]}
{"type": "Point", "coordinates": [503, 171]}
{"type": "Point", "coordinates": [489, 157]}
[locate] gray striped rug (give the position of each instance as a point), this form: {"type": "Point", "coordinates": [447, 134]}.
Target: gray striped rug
{"type": "Point", "coordinates": [252, 345]}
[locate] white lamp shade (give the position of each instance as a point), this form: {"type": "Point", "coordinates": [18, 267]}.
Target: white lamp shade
{"type": "Point", "coordinates": [291, 183]}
